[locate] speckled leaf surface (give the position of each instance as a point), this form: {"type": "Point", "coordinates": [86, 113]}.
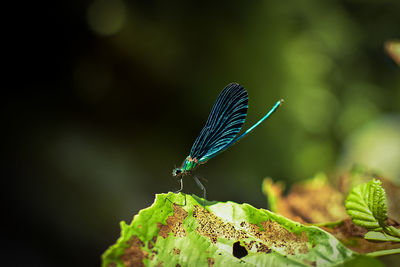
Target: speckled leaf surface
{"type": "Point", "coordinates": [222, 234]}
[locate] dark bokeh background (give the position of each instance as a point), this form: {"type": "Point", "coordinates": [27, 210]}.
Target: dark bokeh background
{"type": "Point", "coordinates": [109, 95]}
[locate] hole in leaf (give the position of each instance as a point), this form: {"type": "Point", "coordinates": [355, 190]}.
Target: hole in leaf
{"type": "Point", "coordinates": [238, 250]}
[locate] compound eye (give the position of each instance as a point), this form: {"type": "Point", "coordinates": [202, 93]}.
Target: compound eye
{"type": "Point", "coordinates": [176, 172]}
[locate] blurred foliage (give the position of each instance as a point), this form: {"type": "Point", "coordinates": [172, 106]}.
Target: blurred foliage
{"type": "Point", "coordinates": [109, 96]}
{"type": "Point", "coordinates": [393, 49]}
{"type": "Point", "coordinates": [348, 209]}
{"type": "Point", "coordinates": [376, 145]}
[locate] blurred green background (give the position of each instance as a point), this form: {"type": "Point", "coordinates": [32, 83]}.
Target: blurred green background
{"type": "Point", "coordinates": [109, 96]}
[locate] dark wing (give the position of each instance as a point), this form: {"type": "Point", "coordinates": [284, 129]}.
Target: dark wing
{"type": "Point", "coordinates": [223, 124]}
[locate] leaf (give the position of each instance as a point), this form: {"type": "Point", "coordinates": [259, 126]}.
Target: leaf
{"type": "Point", "coordinates": [379, 236]}
{"type": "Point", "coordinates": [366, 204]}
{"type": "Point", "coordinates": [392, 231]}
{"type": "Point", "coordinates": [360, 174]}
{"type": "Point", "coordinates": [224, 234]}
{"type": "Point", "coordinates": [352, 236]}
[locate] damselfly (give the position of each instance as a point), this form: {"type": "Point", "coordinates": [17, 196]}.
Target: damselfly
{"type": "Point", "coordinates": [223, 124]}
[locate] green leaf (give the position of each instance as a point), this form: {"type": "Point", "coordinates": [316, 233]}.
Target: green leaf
{"type": "Point", "coordinates": [177, 231]}
{"type": "Point", "coordinates": [391, 230]}
{"type": "Point", "coordinates": [379, 236]}
{"type": "Point", "coordinates": [366, 204]}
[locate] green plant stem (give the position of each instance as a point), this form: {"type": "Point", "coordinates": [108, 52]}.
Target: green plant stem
{"type": "Point", "coordinates": [328, 224]}
{"type": "Point", "coordinates": [384, 252]}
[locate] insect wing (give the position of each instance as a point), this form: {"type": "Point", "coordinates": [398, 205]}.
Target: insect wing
{"type": "Point", "coordinates": [223, 124]}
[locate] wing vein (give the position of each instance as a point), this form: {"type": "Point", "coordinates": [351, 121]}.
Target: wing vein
{"type": "Point", "coordinates": [223, 124]}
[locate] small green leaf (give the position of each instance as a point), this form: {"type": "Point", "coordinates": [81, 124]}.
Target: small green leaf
{"type": "Point", "coordinates": [391, 230]}
{"type": "Point", "coordinates": [366, 204]}
{"type": "Point", "coordinates": [379, 236]}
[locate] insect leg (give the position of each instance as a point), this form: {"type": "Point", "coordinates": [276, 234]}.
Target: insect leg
{"type": "Point", "coordinates": [176, 192]}
{"type": "Point", "coordinates": [181, 180]}
{"type": "Point", "coordinates": [201, 187]}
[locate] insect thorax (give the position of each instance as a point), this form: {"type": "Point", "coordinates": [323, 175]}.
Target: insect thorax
{"type": "Point", "coordinates": [189, 164]}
